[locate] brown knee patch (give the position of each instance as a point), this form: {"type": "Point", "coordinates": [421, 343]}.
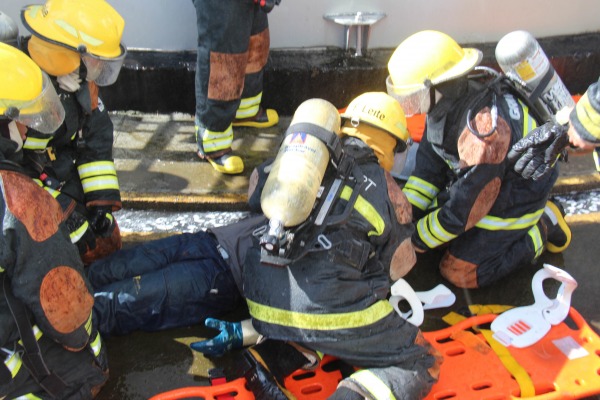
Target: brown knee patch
{"type": "Point", "coordinates": [402, 207]}
{"type": "Point", "coordinates": [484, 202]}
{"type": "Point", "coordinates": [32, 205]}
{"type": "Point", "coordinates": [460, 273]}
{"type": "Point", "coordinates": [226, 80]}
{"type": "Point", "coordinates": [489, 150]}
{"type": "Point", "coordinates": [403, 260]}
{"type": "Point", "coordinates": [65, 299]}
{"type": "Point", "coordinates": [258, 51]}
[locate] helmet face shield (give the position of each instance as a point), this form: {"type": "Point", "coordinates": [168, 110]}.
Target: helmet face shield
{"type": "Point", "coordinates": [44, 114]}
{"type": "Point", "coordinates": [101, 70]}
{"type": "Point", "coordinates": [413, 99]}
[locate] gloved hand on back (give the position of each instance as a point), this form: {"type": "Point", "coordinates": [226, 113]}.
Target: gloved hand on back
{"type": "Point", "coordinates": [535, 155]}
{"type": "Point", "coordinates": [230, 337]}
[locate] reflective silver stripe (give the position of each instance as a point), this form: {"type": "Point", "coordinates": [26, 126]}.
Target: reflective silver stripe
{"type": "Point", "coordinates": [79, 232]}
{"type": "Point", "coordinates": [536, 238]}
{"type": "Point", "coordinates": [33, 143]}
{"type": "Point", "coordinates": [99, 168]}
{"type": "Point", "coordinates": [29, 396]}
{"type": "Point", "coordinates": [100, 183]}
{"type": "Point", "coordinates": [509, 224]}
{"type": "Point", "coordinates": [419, 192]}
{"type": "Point", "coordinates": [431, 231]}
{"type": "Point", "coordinates": [373, 384]}
{"type": "Point", "coordinates": [13, 362]}
{"type": "Point", "coordinates": [213, 140]}
{"type": "Point", "coordinates": [96, 345]}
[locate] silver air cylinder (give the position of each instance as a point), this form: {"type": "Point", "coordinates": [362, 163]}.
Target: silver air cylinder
{"type": "Point", "coordinates": [520, 55]}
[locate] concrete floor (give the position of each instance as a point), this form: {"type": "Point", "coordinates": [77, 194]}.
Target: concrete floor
{"type": "Point", "coordinates": [157, 169]}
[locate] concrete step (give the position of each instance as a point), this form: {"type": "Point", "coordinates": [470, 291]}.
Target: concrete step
{"type": "Point", "coordinates": [155, 156]}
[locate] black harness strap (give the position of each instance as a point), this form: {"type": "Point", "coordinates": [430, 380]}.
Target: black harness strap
{"type": "Point", "coordinates": [32, 358]}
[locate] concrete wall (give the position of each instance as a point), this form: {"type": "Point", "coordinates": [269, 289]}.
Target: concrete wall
{"type": "Point", "coordinates": [307, 57]}
{"type": "Point", "coordinates": [170, 24]}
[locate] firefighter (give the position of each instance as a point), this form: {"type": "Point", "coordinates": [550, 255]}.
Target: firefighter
{"type": "Point", "coordinates": [78, 44]}
{"type": "Point", "coordinates": [332, 296]}
{"type": "Point", "coordinates": [466, 198]}
{"type": "Point", "coordinates": [49, 345]}
{"type": "Point", "coordinates": [584, 129]}
{"type": "Point", "coordinates": [233, 48]}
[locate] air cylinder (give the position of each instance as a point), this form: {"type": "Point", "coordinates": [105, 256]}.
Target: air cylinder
{"type": "Point", "coordinates": [293, 184]}
{"type": "Point", "coordinates": [519, 54]}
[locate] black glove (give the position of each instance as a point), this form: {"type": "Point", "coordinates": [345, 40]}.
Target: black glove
{"type": "Point", "coordinates": [102, 220]}
{"type": "Point", "coordinates": [535, 155]}
{"type": "Point", "coordinates": [81, 233]}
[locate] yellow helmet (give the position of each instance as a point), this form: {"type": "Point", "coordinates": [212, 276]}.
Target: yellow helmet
{"type": "Point", "coordinates": [90, 28]}
{"type": "Point", "coordinates": [26, 93]}
{"type": "Point", "coordinates": [426, 59]}
{"type": "Point", "coordinates": [379, 110]}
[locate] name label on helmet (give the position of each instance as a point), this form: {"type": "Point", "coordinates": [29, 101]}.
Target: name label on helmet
{"type": "Point", "coordinates": [373, 112]}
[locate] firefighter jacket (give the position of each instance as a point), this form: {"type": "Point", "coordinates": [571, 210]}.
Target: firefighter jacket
{"type": "Point", "coordinates": [333, 297]}
{"type": "Point", "coordinates": [76, 167]}
{"type": "Point", "coordinates": [49, 346]}
{"type": "Point", "coordinates": [77, 159]}
{"type": "Point", "coordinates": [465, 193]}
{"type": "Point", "coordinates": [585, 118]}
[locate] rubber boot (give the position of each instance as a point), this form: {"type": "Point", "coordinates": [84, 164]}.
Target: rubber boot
{"type": "Point", "coordinates": [264, 118]}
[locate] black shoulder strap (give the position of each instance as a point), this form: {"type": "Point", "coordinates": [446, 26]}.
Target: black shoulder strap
{"type": "Point", "coordinates": [32, 358]}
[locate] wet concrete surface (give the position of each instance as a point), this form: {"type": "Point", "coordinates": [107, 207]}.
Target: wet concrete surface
{"type": "Point", "coordinates": [160, 175]}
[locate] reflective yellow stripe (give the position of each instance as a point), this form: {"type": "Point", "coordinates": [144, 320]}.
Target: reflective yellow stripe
{"type": "Point", "coordinates": [1, 269]}
{"type": "Point", "coordinates": [365, 209]}
{"type": "Point", "coordinates": [528, 122]}
{"type": "Point", "coordinates": [34, 143]}
{"type": "Point", "coordinates": [251, 101]}
{"type": "Point", "coordinates": [596, 156]}
{"type": "Point", "coordinates": [419, 192]}
{"type": "Point", "coordinates": [536, 238]}
{"type": "Point", "coordinates": [54, 193]}
{"type": "Point", "coordinates": [431, 231]}
{"type": "Point", "coordinates": [320, 322]}
{"type": "Point", "coordinates": [99, 168]}
{"type": "Point", "coordinates": [37, 332]}
{"type": "Point", "coordinates": [100, 183]}
{"type": "Point", "coordinates": [588, 116]}
{"type": "Point", "coordinates": [88, 325]}
{"type": "Point", "coordinates": [13, 362]}
{"type": "Point", "coordinates": [29, 396]}
{"type": "Point", "coordinates": [214, 140]}
{"type": "Point", "coordinates": [79, 232]}
{"type": "Point", "coordinates": [509, 224]}
{"type": "Point", "coordinates": [96, 344]}
{"type": "Point", "coordinates": [373, 384]}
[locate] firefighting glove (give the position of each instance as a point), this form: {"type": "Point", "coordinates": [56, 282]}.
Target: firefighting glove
{"type": "Point", "coordinates": [102, 220]}
{"type": "Point", "coordinates": [233, 335]}
{"type": "Point", "coordinates": [80, 232]}
{"type": "Point", "coordinates": [535, 155]}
